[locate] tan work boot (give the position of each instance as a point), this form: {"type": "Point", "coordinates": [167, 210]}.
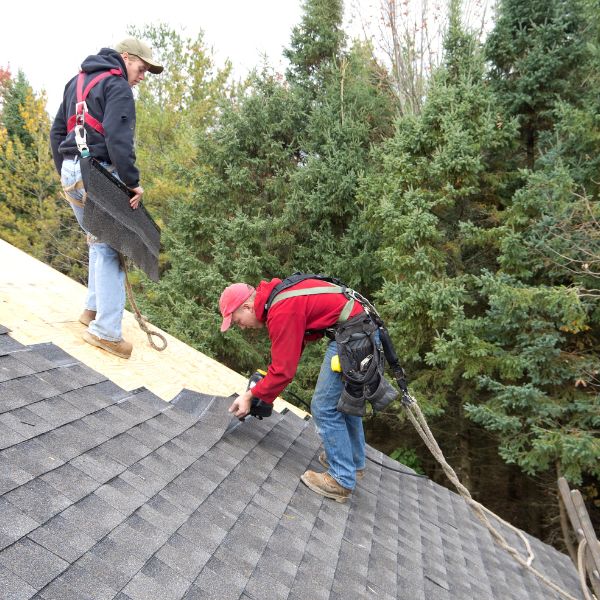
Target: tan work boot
{"type": "Point", "coordinates": [326, 485]}
{"type": "Point", "coordinates": [87, 316]}
{"type": "Point", "coordinates": [121, 349]}
{"type": "Point", "coordinates": [360, 473]}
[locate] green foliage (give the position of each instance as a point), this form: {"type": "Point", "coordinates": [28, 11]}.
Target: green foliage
{"type": "Point", "coordinates": [474, 224]}
{"type": "Point", "coordinates": [538, 55]}
{"type": "Point", "coordinates": [14, 97]}
{"type": "Point", "coordinates": [274, 191]}
{"type": "Point", "coordinates": [33, 215]}
{"type": "Point", "coordinates": [172, 109]}
{"type": "Point", "coordinates": [316, 42]}
{"type": "Point", "coordinates": [408, 457]}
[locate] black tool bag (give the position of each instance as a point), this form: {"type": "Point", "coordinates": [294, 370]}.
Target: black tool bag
{"type": "Point", "coordinates": [363, 365]}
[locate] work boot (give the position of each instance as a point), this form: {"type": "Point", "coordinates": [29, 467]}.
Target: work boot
{"type": "Point", "coordinates": [360, 473]}
{"type": "Point", "coordinates": [121, 349]}
{"type": "Point", "coordinates": [326, 485]}
{"type": "Point", "coordinates": [87, 316]}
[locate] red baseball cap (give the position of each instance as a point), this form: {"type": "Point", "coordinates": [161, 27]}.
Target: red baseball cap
{"type": "Point", "coordinates": [231, 299]}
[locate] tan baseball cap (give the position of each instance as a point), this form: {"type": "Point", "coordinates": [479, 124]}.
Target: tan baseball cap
{"type": "Point", "coordinates": [138, 48]}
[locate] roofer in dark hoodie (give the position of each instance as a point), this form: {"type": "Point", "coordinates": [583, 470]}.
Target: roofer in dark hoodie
{"type": "Point", "coordinates": [109, 127]}
{"type": "Point", "coordinates": [292, 323]}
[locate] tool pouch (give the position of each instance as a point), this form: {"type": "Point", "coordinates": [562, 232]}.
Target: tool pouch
{"type": "Point", "coordinates": [363, 364]}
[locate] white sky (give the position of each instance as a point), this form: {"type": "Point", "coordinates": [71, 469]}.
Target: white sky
{"type": "Point", "coordinates": [48, 40]}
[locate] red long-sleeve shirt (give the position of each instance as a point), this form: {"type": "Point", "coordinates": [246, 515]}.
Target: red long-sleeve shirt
{"type": "Point", "coordinates": [287, 321]}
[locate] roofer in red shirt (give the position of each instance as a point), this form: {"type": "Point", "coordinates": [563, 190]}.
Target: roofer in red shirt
{"type": "Point", "coordinates": [304, 312]}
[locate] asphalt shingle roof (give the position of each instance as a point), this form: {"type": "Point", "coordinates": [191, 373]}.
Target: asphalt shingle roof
{"type": "Point", "coordinates": [110, 494]}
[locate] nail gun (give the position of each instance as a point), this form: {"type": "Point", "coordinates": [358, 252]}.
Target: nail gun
{"type": "Point", "coordinates": [258, 408]}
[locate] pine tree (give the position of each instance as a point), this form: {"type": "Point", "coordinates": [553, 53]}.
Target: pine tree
{"type": "Point", "coordinates": [316, 42]}
{"type": "Point", "coordinates": [274, 190]}
{"type": "Point", "coordinates": [537, 51]}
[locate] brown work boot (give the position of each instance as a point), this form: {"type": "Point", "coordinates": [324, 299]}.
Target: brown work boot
{"type": "Point", "coordinates": [326, 485]}
{"type": "Point", "coordinates": [87, 316]}
{"type": "Point", "coordinates": [121, 349]}
{"type": "Point", "coordinates": [360, 473]}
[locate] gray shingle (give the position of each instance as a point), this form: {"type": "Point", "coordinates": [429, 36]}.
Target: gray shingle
{"type": "Point", "coordinates": [13, 587]}
{"type": "Point", "coordinates": [148, 435]}
{"type": "Point", "coordinates": [204, 534]}
{"type": "Point", "coordinates": [8, 436]}
{"type": "Point", "coordinates": [219, 579]}
{"type": "Point", "coordinates": [98, 465]}
{"type": "Point", "coordinates": [56, 411]}
{"type": "Point", "coordinates": [11, 368]}
{"type": "Point", "coordinates": [263, 585]}
{"type": "Point", "coordinates": [25, 422]}
{"type": "Point", "coordinates": [71, 482]}
{"type": "Point", "coordinates": [92, 398]}
{"type": "Point", "coordinates": [62, 538]}
{"type": "Point", "coordinates": [35, 361]}
{"type": "Point", "coordinates": [38, 500]}
{"type": "Point", "coordinates": [71, 440]}
{"type": "Point", "coordinates": [93, 516]}
{"type": "Point", "coordinates": [31, 456]}
{"type": "Point", "coordinates": [143, 480]}
{"type": "Point", "coordinates": [183, 556]}
{"type": "Point", "coordinates": [14, 523]}
{"type": "Point", "coordinates": [144, 587]}
{"type": "Point", "coordinates": [32, 563]}
{"type": "Point", "coordinates": [78, 583]}
{"type": "Point", "coordinates": [57, 356]}
{"type": "Point", "coordinates": [121, 496]}
{"type": "Point", "coordinates": [23, 391]}
{"type": "Point", "coordinates": [110, 564]}
{"type": "Point", "coordinates": [163, 514]}
{"type": "Point", "coordinates": [166, 577]}
{"type": "Point", "coordinates": [8, 344]}
{"type": "Point", "coordinates": [71, 377]}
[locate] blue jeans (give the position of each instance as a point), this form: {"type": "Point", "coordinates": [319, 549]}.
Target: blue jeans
{"type": "Point", "coordinates": [342, 435]}
{"type": "Point", "coordinates": [106, 279]}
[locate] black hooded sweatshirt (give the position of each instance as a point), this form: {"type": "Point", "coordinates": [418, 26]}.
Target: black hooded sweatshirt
{"type": "Point", "coordinates": [111, 102]}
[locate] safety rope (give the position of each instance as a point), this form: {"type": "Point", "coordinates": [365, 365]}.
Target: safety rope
{"type": "Point", "coordinates": [418, 420]}
{"type": "Point", "coordinates": [137, 314]}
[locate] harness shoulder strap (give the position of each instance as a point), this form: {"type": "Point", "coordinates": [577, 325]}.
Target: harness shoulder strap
{"type": "Point", "coordinates": [312, 291]}
{"type": "Point", "coordinates": [82, 95]}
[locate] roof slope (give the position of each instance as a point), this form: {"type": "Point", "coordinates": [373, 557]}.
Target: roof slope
{"type": "Point", "coordinates": [40, 304]}
{"type": "Point", "coordinates": [108, 494]}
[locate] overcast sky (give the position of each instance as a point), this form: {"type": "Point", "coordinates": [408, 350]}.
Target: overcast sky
{"type": "Point", "coordinates": [48, 40]}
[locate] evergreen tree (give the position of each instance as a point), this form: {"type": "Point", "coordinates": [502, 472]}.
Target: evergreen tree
{"type": "Point", "coordinates": [316, 42]}
{"type": "Point", "coordinates": [274, 191]}
{"type": "Point", "coordinates": [537, 51]}
{"type": "Point", "coordinates": [489, 327]}
{"type": "Point", "coordinates": [14, 96]}
{"type": "Point", "coordinates": [171, 109]}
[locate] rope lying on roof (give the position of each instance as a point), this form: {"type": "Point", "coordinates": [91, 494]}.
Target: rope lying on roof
{"type": "Point", "coordinates": [418, 420]}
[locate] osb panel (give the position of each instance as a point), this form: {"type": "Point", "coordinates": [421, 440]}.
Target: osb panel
{"type": "Point", "coordinates": [39, 304]}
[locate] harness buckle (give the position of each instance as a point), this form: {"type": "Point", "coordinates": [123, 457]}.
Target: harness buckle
{"type": "Point", "coordinates": [81, 141]}
{"type": "Point", "coordinates": [81, 108]}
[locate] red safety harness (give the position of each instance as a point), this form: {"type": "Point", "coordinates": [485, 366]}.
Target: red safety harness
{"type": "Point", "coordinates": [82, 115]}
